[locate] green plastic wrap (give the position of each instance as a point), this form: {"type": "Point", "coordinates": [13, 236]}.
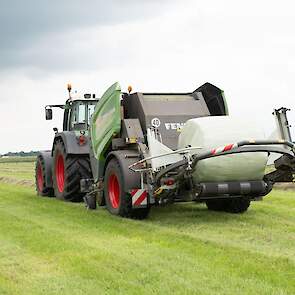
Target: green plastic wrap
{"type": "Point", "coordinates": [213, 132]}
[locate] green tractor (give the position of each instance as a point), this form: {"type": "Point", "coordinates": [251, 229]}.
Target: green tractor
{"type": "Point", "coordinates": [59, 171]}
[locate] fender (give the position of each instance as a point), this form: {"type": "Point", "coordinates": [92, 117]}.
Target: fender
{"type": "Point", "coordinates": [126, 158]}
{"type": "Point", "coordinates": [48, 160]}
{"type": "Point", "coordinates": [70, 140]}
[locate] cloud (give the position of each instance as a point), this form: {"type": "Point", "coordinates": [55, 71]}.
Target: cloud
{"type": "Point", "coordinates": [33, 32]}
{"type": "Point", "coordinates": [249, 53]}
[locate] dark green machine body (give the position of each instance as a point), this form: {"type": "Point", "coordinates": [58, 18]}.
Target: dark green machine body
{"type": "Point", "coordinates": [141, 128]}
{"type": "Point", "coordinates": [120, 116]}
{"type": "Point", "coordinates": [122, 151]}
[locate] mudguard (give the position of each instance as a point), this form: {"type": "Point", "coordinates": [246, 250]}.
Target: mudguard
{"type": "Point", "coordinates": [125, 159]}
{"type": "Point", "coordinates": [71, 143]}
{"type": "Point", "coordinates": [105, 123]}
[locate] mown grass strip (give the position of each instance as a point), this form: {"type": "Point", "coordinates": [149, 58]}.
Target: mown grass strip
{"type": "Point", "coordinates": [51, 247]}
{"type": "Point", "coordinates": [17, 159]}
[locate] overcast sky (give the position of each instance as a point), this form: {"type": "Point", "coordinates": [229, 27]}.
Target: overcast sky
{"type": "Point", "coordinates": [247, 48]}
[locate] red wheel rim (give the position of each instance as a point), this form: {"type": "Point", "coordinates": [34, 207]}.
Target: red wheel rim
{"type": "Point", "coordinates": [40, 177]}
{"type": "Point", "coordinates": [60, 173]}
{"type": "Point", "coordinates": [114, 191]}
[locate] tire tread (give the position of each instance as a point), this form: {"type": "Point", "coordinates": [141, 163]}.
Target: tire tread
{"type": "Point", "coordinates": [77, 167]}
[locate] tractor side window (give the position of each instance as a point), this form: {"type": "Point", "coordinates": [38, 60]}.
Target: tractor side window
{"type": "Point", "coordinates": [91, 108]}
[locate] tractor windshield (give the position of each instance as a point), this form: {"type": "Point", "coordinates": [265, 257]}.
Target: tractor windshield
{"type": "Point", "coordinates": [81, 114]}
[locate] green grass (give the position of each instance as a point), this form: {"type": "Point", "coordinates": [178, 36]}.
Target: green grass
{"type": "Point", "coordinates": [18, 159]}
{"type": "Point", "coordinates": [18, 168]}
{"type": "Point", "coordinates": [50, 247]}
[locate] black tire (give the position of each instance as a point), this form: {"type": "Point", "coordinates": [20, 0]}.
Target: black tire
{"type": "Point", "coordinates": [118, 200]}
{"type": "Point", "coordinates": [40, 176]}
{"type": "Point", "coordinates": [215, 205]}
{"type": "Point", "coordinates": [232, 205]}
{"type": "Point", "coordinates": [66, 181]}
{"type": "Point", "coordinates": [237, 205]}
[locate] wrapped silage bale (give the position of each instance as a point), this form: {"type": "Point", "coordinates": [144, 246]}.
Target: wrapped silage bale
{"type": "Point", "coordinates": [217, 131]}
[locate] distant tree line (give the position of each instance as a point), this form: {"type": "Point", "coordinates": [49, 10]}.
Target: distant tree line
{"type": "Point", "coordinates": [20, 154]}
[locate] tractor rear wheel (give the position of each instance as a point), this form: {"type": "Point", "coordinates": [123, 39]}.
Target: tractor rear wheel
{"type": "Point", "coordinates": [40, 179]}
{"type": "Point", "coordinates": [68, 170]}
{"type": "Point", "coordinates": [118, 201]}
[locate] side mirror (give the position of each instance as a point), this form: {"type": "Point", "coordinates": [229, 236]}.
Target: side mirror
{"type": "Point", "coordinates": [48, 114]}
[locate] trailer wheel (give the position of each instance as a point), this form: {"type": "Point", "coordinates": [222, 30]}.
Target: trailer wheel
{"type": "Point", "coordinates": [233, 205]}
{"type": "Point", "coordinates": [118, 201]}
{"type": "Point", "coordinates": [67, 172]}
{"type": "Point", "coordinates": [40, 176]}
{"type": "Point", "coordinates": [215, 205]}
{"type": "Point", "coordinates": [237, 205]}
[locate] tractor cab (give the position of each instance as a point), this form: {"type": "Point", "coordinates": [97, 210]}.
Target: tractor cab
{"type": "Point", "coordinates": [77, 115]}
{"type": "Point", "coordinates": [77, 112]}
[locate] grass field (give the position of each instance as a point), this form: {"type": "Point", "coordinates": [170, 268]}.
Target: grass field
{"type": "Point", "coordinates": [17, 168]}
{"type": "Point", "coordinates": [17, 159]}
{"type": "Point", "coordinates": [52, 247]}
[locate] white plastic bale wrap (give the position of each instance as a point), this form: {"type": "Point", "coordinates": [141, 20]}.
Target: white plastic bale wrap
{"type": "Point", "coordinates": [217, 131]}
